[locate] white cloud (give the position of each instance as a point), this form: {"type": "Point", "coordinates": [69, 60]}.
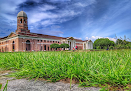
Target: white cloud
{"type": "Point", "coordinates": [46, 7]}
{"type": "Point", "coordinates": [49, 32]}
{"type": "Point", "coordinates": [93, 38]}
{"type": "Point", "coordinates": [77, 38]}
{"type": "Point", "coordinates": [85, 3]}
{"type": "Point", "coordinates": [9, 6]}
{"type": "Point", "coordinates": [46, 22]}
{"type": "Point", "coordinates": [112, 39]}
{"type": "Point", "coordinates": [128, 39]}
{"type": "Point", "coordinates": [38, 16]}
{"type": "Point", "coordinates": [50, 17]}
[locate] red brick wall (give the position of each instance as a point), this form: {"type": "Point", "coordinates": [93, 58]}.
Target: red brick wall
{"type": "Point", "coordinates": [20, 45]}
{"type": "Point", "coordinates": [79, 46]}
{"type": "Point", "coordinates": [22, 25]}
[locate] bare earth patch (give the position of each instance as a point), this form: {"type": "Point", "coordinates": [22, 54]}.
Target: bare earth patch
{"type": "Point", "coordinates": [40, 84]}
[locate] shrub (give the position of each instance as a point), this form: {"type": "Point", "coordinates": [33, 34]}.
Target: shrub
{"type": "Point", "coordinates": [98, 47]}
{"type": "Point", "coordinates": [111, 47]}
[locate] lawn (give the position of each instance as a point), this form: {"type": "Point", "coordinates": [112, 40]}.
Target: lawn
{"type": "Point", "coordinates": [91, 68]}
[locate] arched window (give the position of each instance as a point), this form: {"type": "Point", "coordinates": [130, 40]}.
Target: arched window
{"type": "Point", "coordinates": [28, 45]}
{"type": "Point", "coordinates": [24, 21]}
{"type": "Point", "coordinates": [48, 48]}
{"type": "Point", "coordinates": [13, 46]}
{"type": "Point", "coordinates": [20, 20]}
{"type": "Point", "coordinates": [44, 47]}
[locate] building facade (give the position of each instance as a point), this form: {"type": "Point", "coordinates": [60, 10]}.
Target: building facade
{"type": "Point", "coordinates": [23, 40]}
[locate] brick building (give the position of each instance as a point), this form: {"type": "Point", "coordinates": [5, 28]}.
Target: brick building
{"type": "Point", "coordinates": [23, 40]}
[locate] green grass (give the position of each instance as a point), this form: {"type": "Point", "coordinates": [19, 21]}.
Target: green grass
{"type": "Point", "coordinates": [90, 68]}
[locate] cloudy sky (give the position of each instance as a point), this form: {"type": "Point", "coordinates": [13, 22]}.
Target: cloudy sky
{"type": "Point", "coordinates": [82, 19]}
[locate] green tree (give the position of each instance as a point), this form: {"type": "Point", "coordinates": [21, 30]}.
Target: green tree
{"type": "Point", "coordinates": [55, 46]}
{"type": "Point", "coordinates": [119, 41]}
{"type": "Point", "coordinates": [123, 44]}
{"type": "Point", "coordinates": [64, 45]}
{"type": "Point", "coordinates": [111, 47]}
{"type": "Point", "coordinates": [103, 43]}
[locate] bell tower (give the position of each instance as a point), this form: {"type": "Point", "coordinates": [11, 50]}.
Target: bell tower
{"type": "Point", "coordinates": [22, 23]}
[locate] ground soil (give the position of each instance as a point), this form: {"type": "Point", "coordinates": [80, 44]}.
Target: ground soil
{"type": "Point", "coordinates": [40, 84]}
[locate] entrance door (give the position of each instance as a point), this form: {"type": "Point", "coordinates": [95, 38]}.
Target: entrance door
{"type": "Point", "coordinates": [13, 46]}
{"type": "Point", "coordinates": [70, 45]}
{"type": "Point", "coordinates": [27, 45]}
{"type": "Point", "coordinates": [45, 47]}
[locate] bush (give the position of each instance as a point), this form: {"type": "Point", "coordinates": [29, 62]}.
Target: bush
{"type": "Point", "coordinates": [105, 47]}
{"type": "Point", "coordinates": [98, 47]}
{"type": "Point", "coordinates": [55, 46]}
{"type": "Point", "coordinates": [111, 47]}
{"type": "Point", "coordinates": [103, 43]}
{"type": "Point", "coordinates": [64, 45]}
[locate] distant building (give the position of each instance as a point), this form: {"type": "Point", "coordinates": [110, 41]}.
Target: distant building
{"type": "Point", "coordinates": [23, 40]}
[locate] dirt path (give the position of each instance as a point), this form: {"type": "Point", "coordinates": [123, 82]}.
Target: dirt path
{"type": "Point", "coordinates": [39, 85]}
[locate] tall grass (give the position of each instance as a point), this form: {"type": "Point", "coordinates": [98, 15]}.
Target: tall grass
{"type": "Point", "coordinates": [96, 67]}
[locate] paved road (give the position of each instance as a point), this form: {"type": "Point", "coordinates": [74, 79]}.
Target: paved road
{"type": "Point", "coordinates": [32, 85]}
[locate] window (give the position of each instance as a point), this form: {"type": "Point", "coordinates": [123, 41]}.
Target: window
{"type": "Point", "coordinates": [58, 41]}
{"type": "Point", "coordinates": [38, 40]}
{"type": "Point", "coordinates": [20, 20]}
{"type": "Point", "coordinates": [47, 40]}
{"type": "Point", "coordinates": [48, 48]}
{"type": "Point", "coordinates": [44, 47]}
{"type": "Point", "coordinates": [13, 42]}
{"type": "Point", "coordinates": [41, 40]}
{"type": "Point", "coordinates": [50, 41]}
{"type": "Point", "coordinates": [53, 41]}
{"type": "Point", "coordinates": [44, 40]}
{"type": "Point", "coordinates": [24, 21]}
{"type": "Point", "coordinates": [13, 46]}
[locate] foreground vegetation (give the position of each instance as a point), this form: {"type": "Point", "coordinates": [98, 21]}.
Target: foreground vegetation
{"type": "Point", "coordinates": [92, 68]}
{"type": "Point", "coordinates": [105, 43]}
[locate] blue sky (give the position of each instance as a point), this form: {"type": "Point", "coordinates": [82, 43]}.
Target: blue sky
{"type": "Point", "coordinates": [82, 19]}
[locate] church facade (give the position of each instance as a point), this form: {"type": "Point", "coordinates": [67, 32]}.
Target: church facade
{"type": "Point", "coordinates": [23, 40]}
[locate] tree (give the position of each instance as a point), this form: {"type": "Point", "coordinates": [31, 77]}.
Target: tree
{"type": "Point", "coordinates": [54, 46]}
{"type": "Point", "coordinates": [120, 44]}
{"type": "Point", "coordinates": [119, 41]}
{"type": "Point", "coordinates": [64, 45]}
{"type": "Point", "coordinates": [103, 43]}
{"type": "Point", "coordinates": [111, 47]}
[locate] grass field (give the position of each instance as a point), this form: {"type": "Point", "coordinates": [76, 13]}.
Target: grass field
{"type": "Point", "coordinates": [92, 68]}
